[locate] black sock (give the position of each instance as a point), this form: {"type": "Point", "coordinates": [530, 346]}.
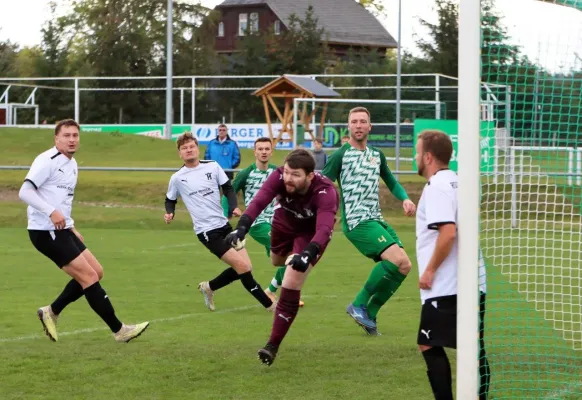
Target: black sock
{"type": "Point", "coordinates": [485, 374]}
{"type": "Point", "coordinates": [99, 302]}
{"type": "Point", "coordinates": [255, 289]}
{"type": "Point", "coordinates": [72, 292]}
{"type": "Point", "coordinates": [439, 373]}
{"type": "Point", "coordinates": [226, 277]}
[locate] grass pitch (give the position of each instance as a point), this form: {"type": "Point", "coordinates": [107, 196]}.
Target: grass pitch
{"type": "Point", "coordinates": [151, 273]}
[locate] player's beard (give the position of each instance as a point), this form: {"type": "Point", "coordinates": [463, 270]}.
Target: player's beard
{"type": "Point", "coordinates": [297, 189]}
{"type": "Point", "coordinates": [420, 168]}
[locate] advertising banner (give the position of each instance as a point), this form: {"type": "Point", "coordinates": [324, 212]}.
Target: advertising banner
{"type": "Point", "coordinates": [451, 128]}
{"type": "Point", "coordinates": [382, 135]}
{"type": "Point", "coordinates": [244, 134]}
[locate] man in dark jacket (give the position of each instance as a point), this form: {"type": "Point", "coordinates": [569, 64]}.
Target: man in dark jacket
{"type": "Point", "coordinates": [319, 154]}
{"type": "Point", "coordinates": [224, 151]}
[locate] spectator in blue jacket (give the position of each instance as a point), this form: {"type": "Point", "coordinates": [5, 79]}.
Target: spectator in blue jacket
{"type": "Point", "coordinates": [224, 151]}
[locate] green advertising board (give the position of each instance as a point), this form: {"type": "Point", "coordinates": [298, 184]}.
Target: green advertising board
{"type": "Point", "coordinates": [153, 130]}
{"type": "Point", "coordinates": [451, 128]}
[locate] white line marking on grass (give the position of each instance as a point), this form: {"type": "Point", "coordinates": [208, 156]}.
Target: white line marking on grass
{"type": "Point", "coordinates": [171, 246]}
{"type": "Point", "coordinates": [169, 319]}
{"type": "Point", "coordinates": [567, 390]}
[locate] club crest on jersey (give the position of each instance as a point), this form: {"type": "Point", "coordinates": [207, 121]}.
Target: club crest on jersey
{"type": "Point", "coordinates": [374, 161]}
{"type": "Point", "coordinates": [209, 176]}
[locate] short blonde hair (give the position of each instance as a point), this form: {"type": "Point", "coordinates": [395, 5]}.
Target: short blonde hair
{"type": "Point", "coordinates": [185, 138]}
{"type": "Point", "coordinates": [360, 109]}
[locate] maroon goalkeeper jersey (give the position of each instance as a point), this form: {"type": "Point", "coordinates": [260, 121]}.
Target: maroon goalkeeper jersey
{"type": "Point", "coordinates": [313, 212]}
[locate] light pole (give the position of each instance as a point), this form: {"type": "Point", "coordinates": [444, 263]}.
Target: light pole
{"type": "Point", "coordinates": [398, 86]}
{"type": "Point", "coordinates": [169, 73]}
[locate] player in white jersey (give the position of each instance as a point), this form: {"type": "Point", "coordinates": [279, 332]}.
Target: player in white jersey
{"type": "Point", "coordinates": [198, 183]}
{"type": "Point", "coordinates": [436, 251]}
{"type": "Point", "coordinates": [48, 190]}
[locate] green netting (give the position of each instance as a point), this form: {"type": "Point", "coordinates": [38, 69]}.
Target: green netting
{"type": "Point", "coordinates": [531, 230]}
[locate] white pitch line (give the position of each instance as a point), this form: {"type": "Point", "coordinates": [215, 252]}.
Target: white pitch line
{"type": "Point", "coordinates": [567, 390]}
{"type": "Point", "coordinates": [176, 318]}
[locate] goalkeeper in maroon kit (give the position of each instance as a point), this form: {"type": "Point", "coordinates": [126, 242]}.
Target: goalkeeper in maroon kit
{"type": "Point", "coordinates": [301, 229]}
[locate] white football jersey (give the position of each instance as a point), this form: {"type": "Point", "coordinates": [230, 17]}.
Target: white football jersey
{"type": "Point", "coordinates": [199, 188]}
{"type": "Point", "coordinates": [55, 177]}
{"type": "Point", "coordinates": [438, 205]}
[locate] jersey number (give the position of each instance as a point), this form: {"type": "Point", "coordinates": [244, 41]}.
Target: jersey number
{"type": "Point", "coordinates": [382, 239]}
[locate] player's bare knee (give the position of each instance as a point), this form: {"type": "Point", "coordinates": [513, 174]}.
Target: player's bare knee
{"type": "Point", "coordinates": [82, 272]}
{"type": "Point", "coordinates": [423, 348]}
{"type": "Point", "coordinates": [404, 266]}
{"type": "Point", "coordinates": [241, 266]}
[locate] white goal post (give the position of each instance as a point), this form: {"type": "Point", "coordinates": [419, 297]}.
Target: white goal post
{"type": "Point", "coordinates": [469, 96]}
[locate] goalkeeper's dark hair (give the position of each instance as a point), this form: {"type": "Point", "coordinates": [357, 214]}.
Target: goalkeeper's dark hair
{"type": "Point", "coordinates": [301, 159]}
{"type": "Point", "coordinates": [438, 144]}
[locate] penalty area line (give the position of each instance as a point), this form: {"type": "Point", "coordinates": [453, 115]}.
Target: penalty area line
{"type": "Point", "coordinates": [153, 321]}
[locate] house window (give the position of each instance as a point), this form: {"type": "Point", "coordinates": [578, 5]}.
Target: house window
{"type": "Point", "coordinates": [277, 27]}
{"type": "Point", "coordinates": [254, 25]}
{"type": "Point", "coordinates": [221, 29]}
{"type": "Point", "coordinates": [242, 24]}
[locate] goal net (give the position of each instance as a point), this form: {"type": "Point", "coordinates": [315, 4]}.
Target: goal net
{"type": "Point", "coordinates": [530, 227]}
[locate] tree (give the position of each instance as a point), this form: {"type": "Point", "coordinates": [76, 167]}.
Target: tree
{"type": "Point", "coordinates": [375, 6]}
{"type": "Point", "coordinates": [496, 47]}
{"type": "Point", "coordinates": [8, 52]}
{"type": "Point", "coordinates": [300, 48]}
{"type": "Point", "coordinates": [128, 38]}
{"type": "Point", "coordinates": [441, 50]}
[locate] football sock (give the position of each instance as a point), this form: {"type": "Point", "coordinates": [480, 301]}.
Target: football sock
{"type": "Point", "coordinates": [226, 277]}
{"type": "Point", "coordinates": [390, 283]}
{"type": "Point", "coordinates": [439, 373]}
{"type": "Point", "coordinates": [72, 292]}
{"type": "Point", "coordinates": [380, 270]}
{"type": "Point", "coordinates": [255, 289]}
{"type": "Point", "coordinates": [99, 302]}
{"type": "Point", "coordinates": [285, 314]}
{"type": "Point", "coordinates": [277, 281]}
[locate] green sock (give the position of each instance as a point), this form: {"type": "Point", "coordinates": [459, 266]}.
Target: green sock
{"type": "Point", "coordinates": [389, 285]}
{"type": "Point", "coordinates": [371, 284]}
{"type": "Point", "coordinates": [277, 280]}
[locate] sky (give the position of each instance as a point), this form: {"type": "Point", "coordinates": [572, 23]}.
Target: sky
{"type": "Point", "coordinates": [550, 33]}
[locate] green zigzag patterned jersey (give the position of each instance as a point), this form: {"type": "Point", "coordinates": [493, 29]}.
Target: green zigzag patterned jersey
{"type": "Point", "coordinates": [250, 180]}
{"type": "Point", "coordinates": [358, 174]}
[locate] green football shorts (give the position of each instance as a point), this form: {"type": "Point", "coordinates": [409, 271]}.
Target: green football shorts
{"type": "Point", "coordinates": [371, 238]}
{"type": "Point", "coordinates": [262, 234]}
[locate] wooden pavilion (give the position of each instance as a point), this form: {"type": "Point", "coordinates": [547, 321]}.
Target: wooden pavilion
{"type": "Point", "coordinates": [287, 88]}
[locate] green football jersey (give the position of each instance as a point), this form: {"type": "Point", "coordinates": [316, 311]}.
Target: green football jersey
{"type": "Point", "coordinates": [250, 180]}
{"type": "Point", "coordinates": [358, 173]}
